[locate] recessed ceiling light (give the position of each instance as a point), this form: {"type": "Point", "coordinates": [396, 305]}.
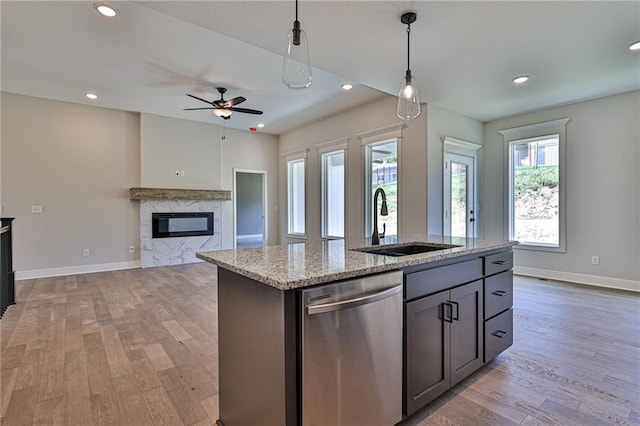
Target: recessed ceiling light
{"type": "Point", "coordinates": [347, 86]}
{"type": "Point", "coordinates": [635, 46]}
{"type": "Point", "coordinates": [261, 125]}
{"type": "Point", "coordinates": [106, 10]}
{"type": "Point", "coordinates": [91, 96]}
{"type": "Point", "coordinates": [521, 79]}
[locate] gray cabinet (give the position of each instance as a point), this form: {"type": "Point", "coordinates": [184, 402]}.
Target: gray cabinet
{"type": "Point", "coordinates": [498, 302]}
{"type": "Point", "coordinates": [444, 342]}
{"type": "Point", "coordinates": [458, 316]}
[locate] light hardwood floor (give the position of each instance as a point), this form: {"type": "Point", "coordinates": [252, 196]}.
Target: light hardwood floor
{"type": "Point", "coordinates": [139, 347]}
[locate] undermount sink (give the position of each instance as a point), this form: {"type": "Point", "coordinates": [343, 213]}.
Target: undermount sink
{"type": "Point", "coordinates": [405, 250]}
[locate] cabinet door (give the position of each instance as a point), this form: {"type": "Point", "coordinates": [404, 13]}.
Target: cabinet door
{"type": "Point", "coordinates": [427, 356]}
{"type": "Point", "coordinates": [467, 331]}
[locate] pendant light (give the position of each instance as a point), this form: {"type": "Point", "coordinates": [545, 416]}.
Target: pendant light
{"type": "Point", "coordinates": [296, 69]}
{"type": "Point", "coordinates": [408, 96]}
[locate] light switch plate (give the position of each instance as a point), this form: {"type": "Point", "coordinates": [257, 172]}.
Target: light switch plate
{"type": "Point", "coordinates": [36, 209]}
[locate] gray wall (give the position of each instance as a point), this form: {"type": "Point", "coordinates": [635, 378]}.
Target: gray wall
{"type": "Point", "coordinates": [602, 192]}
{"type": "Point", "coordinates": [249, 203]}
{"type": "Point", "coordinates": [442, 123]}
{"type": "Point", "coordinates": [348, 124]}
{"type": "Point", "coordinates": [79, 161]}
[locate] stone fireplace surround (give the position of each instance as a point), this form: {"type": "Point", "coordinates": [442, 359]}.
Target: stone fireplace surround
{"type": "Point", "coordinates": [177, 250]}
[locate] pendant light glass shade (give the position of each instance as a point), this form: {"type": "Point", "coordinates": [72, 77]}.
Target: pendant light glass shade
{"type": "Point", "coordinates": [408, 98]}
{"type": "Point", "coordinates": [408, 95]}
{"type": "Point", "coordinates": [296, 69]}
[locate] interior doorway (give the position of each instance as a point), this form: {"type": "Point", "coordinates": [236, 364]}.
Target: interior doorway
{"type": "Point", "coordinates": [250, 191]}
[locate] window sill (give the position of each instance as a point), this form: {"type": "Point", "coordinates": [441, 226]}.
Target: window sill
{"type": "Point", "coordinates": [534, 247]}
{"type": "Point", "coordinates": [297, 236]}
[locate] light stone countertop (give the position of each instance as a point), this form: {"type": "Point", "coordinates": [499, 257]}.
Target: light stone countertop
{"type": "Point", "coordinates": [303, 264]}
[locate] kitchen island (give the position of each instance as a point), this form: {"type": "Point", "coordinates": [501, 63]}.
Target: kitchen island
{"type": "Point", "coordinates": [439, 335]}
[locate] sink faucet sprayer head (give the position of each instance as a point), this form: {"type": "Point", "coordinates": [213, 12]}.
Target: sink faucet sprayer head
{"type": "Point", "coordinates": [383, 209]}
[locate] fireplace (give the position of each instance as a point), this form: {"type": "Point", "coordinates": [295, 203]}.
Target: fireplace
{"type": "Point", "coordinates": [189, 224]}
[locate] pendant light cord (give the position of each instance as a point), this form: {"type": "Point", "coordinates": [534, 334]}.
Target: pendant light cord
{"type": "Point", "coordinates": [408, 42]}
{"type": "Point", "coordinates": [296, 10]}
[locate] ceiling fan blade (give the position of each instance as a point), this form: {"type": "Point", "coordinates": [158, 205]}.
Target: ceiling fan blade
{"type": "Point", "coordinates": [245, 110]}
{"type": "Point", "coordinates": [200, 99]}
{"type": "Point", "coordinates": [234, 101]}
{"type": "Point", "coordinates": [193, 109]}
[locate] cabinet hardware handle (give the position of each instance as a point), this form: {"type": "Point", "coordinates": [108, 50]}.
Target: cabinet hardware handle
{"type": "Point", "coordinates": [500, 262]}
{"type": "Point", "coordinates": [499, 293]}
{"type": "Point", "coordinates": [500, 334]}
{"type": "Point", "coordinates": [446, 305]}
{"type": "Point", "coordinates": [454, 316]}
{"type": "Point", "coordinates": [352, 303]}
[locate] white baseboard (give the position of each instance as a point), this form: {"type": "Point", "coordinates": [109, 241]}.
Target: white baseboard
{"type": "Point", "coordinates": [75, 270]}
{"type": "Point", "coordinates": [594, 280]}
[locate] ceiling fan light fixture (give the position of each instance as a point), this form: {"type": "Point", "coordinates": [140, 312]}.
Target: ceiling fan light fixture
{"type": "Point", "coordinates": [296, 68]}
{"type": "Point", "coordinates": [635, 46]}
{"type": "Point", "coordinates": [221, 112]}
{"type": "Point", "coordinates": [106, 10]}
{"type": "Point", "coordinates": [408, 95]}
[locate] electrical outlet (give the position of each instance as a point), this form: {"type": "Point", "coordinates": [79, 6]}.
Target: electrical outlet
{"type": "Point", "coordinates": [595, 260]}
{"type": "Point", "coordinates": [86, 252]}
{"type": "Point", "coordinates": [180, 173]}
{"type": "Point", "coordinates": [132, 249]}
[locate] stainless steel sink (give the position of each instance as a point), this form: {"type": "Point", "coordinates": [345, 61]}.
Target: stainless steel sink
{"type": "Point", "coordinates": [406, 249]}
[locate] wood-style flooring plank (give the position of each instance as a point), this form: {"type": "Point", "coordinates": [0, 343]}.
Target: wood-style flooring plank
{"type": "Point", "coordinates": [139, 347]}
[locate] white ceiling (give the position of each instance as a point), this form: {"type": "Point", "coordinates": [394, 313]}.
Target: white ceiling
{"type": "Point", "coordinates": [464, 55]}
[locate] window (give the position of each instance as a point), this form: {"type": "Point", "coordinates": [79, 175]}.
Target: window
{"type": "Point", "coordinates": [333, 194]}
{"type": "Point", "coordinates": [536, 185]}
{"type": "Point", "coordinates": [381, 170]}
{"type": "Point", "coordinates": [382, 154]}
{"type": "Point", "coordinates": [296, 196]}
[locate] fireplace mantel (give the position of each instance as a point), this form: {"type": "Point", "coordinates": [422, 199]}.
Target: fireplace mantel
{"type": "Point", "coordinates": [179, 194]}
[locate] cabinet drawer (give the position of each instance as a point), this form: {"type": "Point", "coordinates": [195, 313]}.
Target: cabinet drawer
{"type": "Point", "coordinates": [498, 334]}
{"type": "Point", "coordinates": [498, 293]}
{"type": "Point", "coordinates": [434, 280]}
{"type": "Point", "coordinates": [498, 263]}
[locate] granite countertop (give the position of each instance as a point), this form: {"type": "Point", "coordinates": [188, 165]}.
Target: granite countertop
{"type": "Point", "coordinates": [304, 264]}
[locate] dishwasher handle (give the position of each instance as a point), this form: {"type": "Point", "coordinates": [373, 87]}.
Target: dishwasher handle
{"type": "Point", "coordinates": [352, 303]}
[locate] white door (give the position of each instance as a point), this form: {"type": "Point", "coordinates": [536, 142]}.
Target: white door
{"type": "Point", "coordinates": [459, 195]}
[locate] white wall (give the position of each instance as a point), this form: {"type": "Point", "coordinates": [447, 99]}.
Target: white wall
{"type": "Point", "coordinates": [413, 160]}
{"type": "Point", "coordinates": [602, 192]}
{"type": "Point", "coordinates": [78, 162]}
{"type": "Point", "coordinates": [442, 123]}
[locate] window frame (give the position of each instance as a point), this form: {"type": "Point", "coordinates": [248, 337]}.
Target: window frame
{"type": "Point", "coordinates": [370, 139]}
{"type": "Point", "coordinates": [324, 150]}
{"type": "Point", "coordinates": [526, 134]}
{"type": "Point", "coordinates": [290, 159]}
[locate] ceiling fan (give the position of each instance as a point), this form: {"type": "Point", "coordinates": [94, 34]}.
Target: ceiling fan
{"type": "Point", "coordinates": [224, 108]}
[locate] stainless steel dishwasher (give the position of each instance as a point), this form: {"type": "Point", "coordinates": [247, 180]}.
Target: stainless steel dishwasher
{"type": "Point", "coordinates": [352, 352]}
